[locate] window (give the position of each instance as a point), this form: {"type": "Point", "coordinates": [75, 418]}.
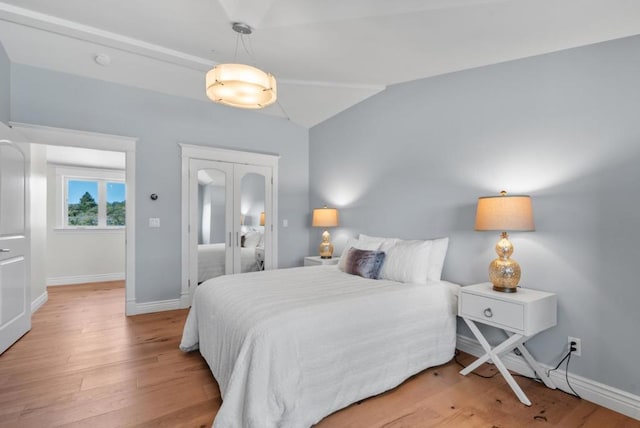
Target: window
{"type": "Point", "coordinates": [82, 208]}
{"type": "Point", "coordinates": [116, 204]}
{"type": "Point", "coordinates": [91, 198]}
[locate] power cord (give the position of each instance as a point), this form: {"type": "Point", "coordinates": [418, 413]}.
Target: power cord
{"type": "Point", "coordinates": [567, 357]}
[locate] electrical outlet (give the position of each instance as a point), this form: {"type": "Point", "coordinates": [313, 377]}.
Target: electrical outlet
{"type": "Point", "coordinates": [578, 345]}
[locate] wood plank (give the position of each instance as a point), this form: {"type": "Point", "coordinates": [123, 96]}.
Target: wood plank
{"type": "Point", "coordinates": [85, 364]}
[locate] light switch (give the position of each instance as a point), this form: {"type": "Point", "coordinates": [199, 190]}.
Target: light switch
{"type": "Point", "coordinates": [154, 222]}
{"type": "Point", "coordinates": [285, 223]}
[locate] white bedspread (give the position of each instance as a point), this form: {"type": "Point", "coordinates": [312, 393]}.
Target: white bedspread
{"type": "Point", "coordinates": [289, 347]}
{"type": "Point", "coordinates": [211, 260]}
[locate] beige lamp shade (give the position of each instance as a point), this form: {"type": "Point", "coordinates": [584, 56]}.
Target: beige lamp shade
{"type": "Point", "coordinates": [262, 218]}
{"type": "Point", "coordinates": [504, 213]}
{"type": "Point", "coordinates": [325, 217]}
{"type": "Point", "coordinates": [241, 85]}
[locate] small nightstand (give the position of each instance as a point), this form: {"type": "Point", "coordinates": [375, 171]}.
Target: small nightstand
{"type": "Point", "coordinates": [316, 260]}
{"type": "Point", "coordinates": [521, 315]}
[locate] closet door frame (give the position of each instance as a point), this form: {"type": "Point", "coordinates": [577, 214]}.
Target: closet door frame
{"type": "Point", "coordinates": [192, 151]}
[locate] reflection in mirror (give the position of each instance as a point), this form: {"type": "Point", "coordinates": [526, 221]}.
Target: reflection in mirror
{"type": "Point", "coordinates": [252, 197]}
{"type": "Point", "coordinates": [212, 245]}
{"type": "Point", "coordinates": [216, 247]}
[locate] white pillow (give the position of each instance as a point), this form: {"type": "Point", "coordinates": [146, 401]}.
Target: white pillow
{"type": "Point", "coordinates": [385, 243]}
{"type": "Point", "coordinates": [370, 239]}
{"type": "Point", "coordinates": [407, 261]}
{"type": "Point", "coordinates": [355, 243]}
{"type": "Point", "coordinates": [252, 239]}
{"type": "Point", "coordinates": [436, 258]}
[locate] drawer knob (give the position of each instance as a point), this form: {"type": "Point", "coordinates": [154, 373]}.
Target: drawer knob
{"type": "Point", "coordinates": [488, 313]}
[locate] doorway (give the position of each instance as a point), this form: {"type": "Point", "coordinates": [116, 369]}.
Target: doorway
{"type": "Point", "coordinates": [86, 214]}
{"type": "Point", "coordinates": [49, 136]}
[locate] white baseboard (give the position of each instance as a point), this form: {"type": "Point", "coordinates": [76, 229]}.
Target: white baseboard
{"type": "Point", "coordinates": [134, 308]}
{"type": "Point", "coordinates": [590, 390]}
{"type": "Point", "coordinates": [39, 301]}
{"type": "Point", "coordinates": [82, 279]}
{"type": "Point", "coordinates": [185, 300]}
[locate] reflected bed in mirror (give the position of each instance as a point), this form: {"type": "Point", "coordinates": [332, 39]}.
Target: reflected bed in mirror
{"type": "Point", "coordinates": [211, 260]}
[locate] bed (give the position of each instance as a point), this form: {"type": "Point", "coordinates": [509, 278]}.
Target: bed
{"type": "Point", "coordinates": [289, 347]}
{"type": "Point", "coordinates": [211, 260]}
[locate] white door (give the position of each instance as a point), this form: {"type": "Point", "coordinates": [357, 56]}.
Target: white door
{"type": "Point", "coordinates": [15, 302]}
{"type": "Point", "coordinates": [227, 200]}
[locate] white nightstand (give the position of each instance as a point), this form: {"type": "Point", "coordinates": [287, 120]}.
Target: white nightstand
{"type": "Point", "coordinates": [316, 260]}
{"type": "Point", "coordinates": [521, 315]}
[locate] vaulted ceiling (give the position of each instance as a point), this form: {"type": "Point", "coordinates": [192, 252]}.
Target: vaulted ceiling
{"type": "Point", "coordinates": [326, 54]}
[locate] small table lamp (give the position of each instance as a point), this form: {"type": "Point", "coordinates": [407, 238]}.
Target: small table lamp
{"type": "Point", "coordinates": [262, 218]}
{"type": "Point", "coordinates": [502, 213]}
{"type": "Point", "coordinates": [325, 217]}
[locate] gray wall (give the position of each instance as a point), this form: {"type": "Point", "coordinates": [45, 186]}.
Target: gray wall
{"type": "Point", "coordinates": [5, 86]}
{"type": "Point", "coordinates": [161, 121]}
{"type": "Point", "coordinates": [563, 127]}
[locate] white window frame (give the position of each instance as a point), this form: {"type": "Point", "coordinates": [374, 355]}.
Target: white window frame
{"type": "Point", "coordinates": [99, 175]}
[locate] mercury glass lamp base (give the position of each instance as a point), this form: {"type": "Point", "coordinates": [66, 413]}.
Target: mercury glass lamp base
{"type": "Point", "coordinates": [505, 289]}
{"type": "Point", "coordinates": [326, 247]}
{"type": "Point", "coordinates": [504, 272]}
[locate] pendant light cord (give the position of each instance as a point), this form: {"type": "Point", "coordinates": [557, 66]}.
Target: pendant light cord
{"type": "Point", "coordinates": [283, 110]}
{"type": "Point", "coordinates": [248, 51]}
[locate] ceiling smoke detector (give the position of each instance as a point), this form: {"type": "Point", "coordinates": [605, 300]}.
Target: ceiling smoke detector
{"type": "Point", "coordinates": [102, 59]}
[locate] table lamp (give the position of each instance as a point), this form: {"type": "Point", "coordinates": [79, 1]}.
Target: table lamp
{"type": "Point", "coordinates": [262, 218]}
{"type": "Point", "coordinates": [504, 213]}
{"type": "Point", "coordinates": [325, 217]}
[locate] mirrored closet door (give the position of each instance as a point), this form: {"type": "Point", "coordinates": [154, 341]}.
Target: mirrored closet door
{"type": "Point", "coordinates": [231, 209]}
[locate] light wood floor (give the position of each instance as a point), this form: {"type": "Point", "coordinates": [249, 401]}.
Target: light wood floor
{"type": "Point", "coordinates": [84, 364]}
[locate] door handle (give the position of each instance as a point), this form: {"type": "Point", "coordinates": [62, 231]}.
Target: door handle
{"type": "Point", "coordinates": [230, 242]}
{"type": "Point", "coordinates": [237, 239]}
{"type": "Point", "coordinates": [5, 250]}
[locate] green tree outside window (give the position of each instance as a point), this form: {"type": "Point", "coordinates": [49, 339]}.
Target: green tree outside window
{"type": "Point", "coordinates": [84, 213]}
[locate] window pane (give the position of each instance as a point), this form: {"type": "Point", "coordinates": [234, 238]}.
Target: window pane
{"type": "Point", "coordinates": [82, 208]}
{"type": "Point", "coordinates": [116, 206]}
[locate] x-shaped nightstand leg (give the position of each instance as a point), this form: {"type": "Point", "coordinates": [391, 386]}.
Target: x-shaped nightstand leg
{"type": "Point", "coordinates": [493, 355]}
{"type": "Point", "coordinates": [542, 374]}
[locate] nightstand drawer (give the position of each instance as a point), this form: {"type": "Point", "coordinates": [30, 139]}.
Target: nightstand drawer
{"type": "Point", "coordinates": [492, 311]}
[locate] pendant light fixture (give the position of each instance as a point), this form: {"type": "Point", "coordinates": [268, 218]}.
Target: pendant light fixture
{"type": "Point", "coordinates": [241, 85]}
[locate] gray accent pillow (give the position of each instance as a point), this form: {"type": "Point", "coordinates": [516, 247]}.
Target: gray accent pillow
{"type": "Point", "coordinates": [365, 263]}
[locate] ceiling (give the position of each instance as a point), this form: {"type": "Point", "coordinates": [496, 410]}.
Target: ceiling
{"type": "Point", "coordinates": [326, 54]}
